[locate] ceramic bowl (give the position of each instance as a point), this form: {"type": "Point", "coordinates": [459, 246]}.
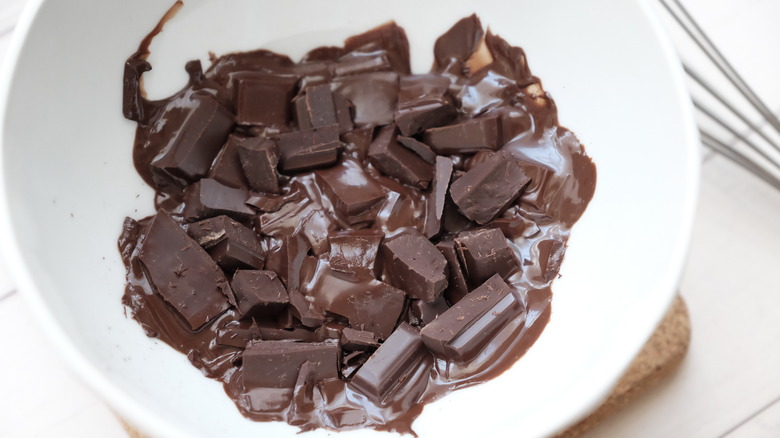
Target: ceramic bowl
{"type": "Point", "coordinates": [68, 181]}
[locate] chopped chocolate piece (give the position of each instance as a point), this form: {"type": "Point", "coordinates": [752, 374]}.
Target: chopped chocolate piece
{"type": "Point", "coordinates": [358, 140]}
{"type": "Point", "coordinates": [309, 149]}
{"type": "Point", "coordinates": [354, 250]}
{"type": "Point", "coordinates": [133, 100]}
{"type": "Point", "coordinates": [437, 197]}
{"type": "Point", "coordinates": [297, 248]}
{"type": "Point", "coordinates": [423, 103]}
{"type": "Point", "coordinates": [128, 240]}
{"type": "Point", "coordinates": [457, 44]}
{"type": "Point", "coordinates": [485, 252]}
{"type": "Point", "coordinates": [397, 161]}
{"type": "Point", "coordinates": [286, 219]}
{"type": "Point", "coordinates": [352, 362]}
{"type": "Point", "coordinates": [460, 333]}
{"type": "Point", "coordinates": [427, 312]}
{"type": "Point", "coordinates": [296, 334]}
{"type": "Point", "coordinates": [189, 152]}
{"type": "Point", "coordinates": [419, 148]}
{"type": "Point", "coordinates": [375, 308]}
{"type": "Point", "coordinates": [259, 157]}
{"type": "Point", "coordinates": [351, 190]}
{"type": "Point", "coordinates": [465, 137]}
{"type": "Point", "coordinates": [208, 198]}
{"type": "Point", "coordinates": [452, 220]}
{"type": "Point", "coordinates": [457, 287]}
{"type": "Point", "coordinates": [508, 61]}
{"type": "Point", "coordinates": [487, 189]}
{"type": "Point", "coordinates": [315, 107]}
{"type": "Point", "coordinates": [388, 37]}
{"type": "Point", "coordinates": [259, 293]}
{"type": "Point", "coordinates": [227, 166]}
{"type": "Point", "coordinates": [325, 53]}
{"type": "Point", "coordinates": [316, 229]}
{"type": "Point", "coordinates": [238, 335]}
{"type": "Point", "coordinates": [182, 272]}
{"type": "Point", "coordinates": [352, 339]}
{"type": "Point", "coordinates": [305, 310]}
{"type": "Point", "coordinates": [550, 257]}
{"type": "Point", "coordinates": [264, 99]}
{"type": "Point", "coordinates": [373, 96]}
{"type": "Point", "coordinates": [513, 227]}
{"type": "Point", "coordinates": [400, 361]}
{"type": "Point", "coordinates": [331, 330]}
{"type": "Point", "coordinates": [344, 110]}
{"type": "Point", "coordinates": [275, 364]}
{"type": "Point", "coordinates": [356, 63]}
{"type": "Point", "coordinates": [269, 202]}
{"type": "Point", "coordinates": [414, 265]}
{"type": "Point", "coordinates": [229, 243]}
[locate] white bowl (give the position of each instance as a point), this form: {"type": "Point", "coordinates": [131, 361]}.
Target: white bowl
{"type": "Point", "coordinates": [68, 181]}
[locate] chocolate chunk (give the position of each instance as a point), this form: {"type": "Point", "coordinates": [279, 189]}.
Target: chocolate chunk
{"type": "Point", "coordinates": [452, 220]}
{"type": "Point", "coordinates": [397, 161]}
{"type": "Point", "coordinates": [344, 111]}
{"type": "Point", "coordinates": [238, 334]}
{"type": "Point", "coordinates": [352, 340]}
{"type": "Point", "coordinates": [315, 107]}
{"type": "Point", "coordinates": [353, 361]}
{"type": "Point", "coordinates": [465, 137]}
{"type": "Point", "coordinates": [227, 166]}
{"type": "Point", "coordinates": [133, 101]}
{"type": "Point", "coordinates": [351, 190]}
{"type": "Point", "coordinates": [374, 308]}
{"type": "Point", "coordinates": [229, 243]}
{"type": "Point", "coordinates": [297, 248]}
{"type": "Point", "coordinates": [189, 152]}
{"type": "Point", "coordinates": [456, 45]}
{"type": "Point", "coordinates": [457, 287]}
{"type": "Point", "coordinates": [128, 240]}
{"type": "Point", "coordinates": [325, 53]}
{"type": "Point", "coordinates": [259, 293]}
{"type": "Point", "coordinates": [463, 331]}
{"type": "Point", "coordinates": [351, 251]}
{"type": "Point", "coordinates": [264, 99]}
{"type": "Point", "coordinates": [259, 157]}
{"type": "Point", "coordinates": [423, 103]}
{"type": "Point", "coordinates": [269, 202]}
{"type": "Point", "coordinates": [357, 62]}
{"type": "Point", "coordinates": [485, 252]}
{"type": "Point", "coordinates": [182, 272]}
{"type": "Point", "coordinates": [508, 61]}
{"type": "Point", "coordinates": [208, 198]}
{"type": "Point", "coordinates": [388, 37]}
{"type": "Point", "coordinates": [427, 312]}
{"type": "Point", "coordinates": [297, 334]}
{"type": "Point", "coordinates": [373, 96]}
{"type": "Point", "coordinates": [419, 148]}
{"type": "Point", "coordinates": [434, 207]}
{"type": "Point", "coordinates": [400, 361]}
{"type": "Point", "coordinates": [331, 330]}
{"type": "Point", "coordinates": [486, 190]}
{"type": "Point", "coordinates": [275, 364]}
{"type": "Point", "coordinates": [286, 219]}
{"type": "Point", "coordinates": [309, 149]}
{"type": "Point", "coordinates": [414, 265]}
{"type": "Point", "coordinates": [550, 257]}
{"type": "Point", "coordinates": [357, 141]}
{"type": "Point", "coordinates": [303, 309]}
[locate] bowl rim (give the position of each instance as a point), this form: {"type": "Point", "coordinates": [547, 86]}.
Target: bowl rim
{"type": "Point", "coordinates": [134, 412]}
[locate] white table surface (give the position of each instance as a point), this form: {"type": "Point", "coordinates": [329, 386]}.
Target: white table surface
{"type": "Point", "coordinates": [729, 384]}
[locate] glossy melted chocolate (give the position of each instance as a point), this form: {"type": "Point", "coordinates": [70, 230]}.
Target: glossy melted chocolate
{"type": "Point", "coordinates": [341, 242]}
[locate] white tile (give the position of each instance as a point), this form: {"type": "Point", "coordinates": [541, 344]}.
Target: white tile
{"type": "Point", "coordinates": [730, 285]}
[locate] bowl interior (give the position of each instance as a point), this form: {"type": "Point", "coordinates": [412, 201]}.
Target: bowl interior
{"type": "Point", "coordinates": [68, 182]}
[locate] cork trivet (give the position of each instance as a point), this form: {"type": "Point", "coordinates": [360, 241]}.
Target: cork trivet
{"type": "Point", "coordinates": [658, 358]}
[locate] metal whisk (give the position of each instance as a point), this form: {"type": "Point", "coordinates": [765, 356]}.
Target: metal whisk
{"type": "Point", "coordinates": [759, 155]}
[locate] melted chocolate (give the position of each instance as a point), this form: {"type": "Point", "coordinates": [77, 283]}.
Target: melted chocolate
{"type": "Point", "coordinates": [401, 240]}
